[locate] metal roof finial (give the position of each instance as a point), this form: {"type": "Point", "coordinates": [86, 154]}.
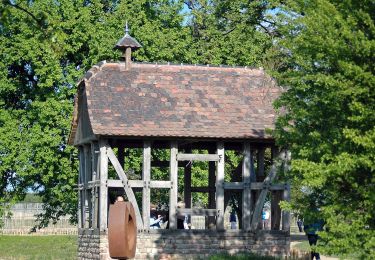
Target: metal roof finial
{"type": "Point", "coordinates": [126, 28]}
{"type": "Point", "coordinates": [127, 44]}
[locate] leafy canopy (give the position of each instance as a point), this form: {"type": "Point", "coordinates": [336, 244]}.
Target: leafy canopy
{"type": "Point", "coordinates": [327, 117]}
{"type": "Point", "coordinates": [46, 47]}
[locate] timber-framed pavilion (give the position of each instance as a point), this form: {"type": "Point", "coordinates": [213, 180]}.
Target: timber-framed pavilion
{"type": "Point", "coordinates": [182, 109]}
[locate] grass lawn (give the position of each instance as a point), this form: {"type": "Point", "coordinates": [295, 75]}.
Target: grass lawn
{"type": "Point", "coordinates": [38, 247]}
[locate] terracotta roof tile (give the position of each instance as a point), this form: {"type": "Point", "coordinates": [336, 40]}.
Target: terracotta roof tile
{"type": "Point", "coordinates": [179, 101]}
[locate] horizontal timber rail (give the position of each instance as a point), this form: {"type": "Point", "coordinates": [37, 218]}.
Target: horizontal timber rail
{"type": "Point", "coordinates": [197, 212]}
{"type": "Point", "coordinates": [139, 184]}
{"type": "Point", "coordinates": [255, 186]}
{"type": "Point", "coordinates": [198, 157]}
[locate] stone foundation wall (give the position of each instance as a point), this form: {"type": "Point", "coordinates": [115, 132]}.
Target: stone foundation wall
{"type": "Point", "coordinates": [189, 244]}
{"type": "Point", "coordinates": [195, 244]}
{"type": "Point", "coordinates": [88, 244]}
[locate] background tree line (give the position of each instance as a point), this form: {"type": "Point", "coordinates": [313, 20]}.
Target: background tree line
{"type": "Point", "coordinates": [321, 51]}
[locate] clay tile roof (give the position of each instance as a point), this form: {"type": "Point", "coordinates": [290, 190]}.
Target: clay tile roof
{"type": "Point", "coordinates": [151, 100]}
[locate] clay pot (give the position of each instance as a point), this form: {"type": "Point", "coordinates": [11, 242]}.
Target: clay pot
{"type": "Point", "coordinates": [122, 230]}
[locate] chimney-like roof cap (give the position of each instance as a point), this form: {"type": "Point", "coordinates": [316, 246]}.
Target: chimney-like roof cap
{"type": "Point", "coordinates": [128, 41]}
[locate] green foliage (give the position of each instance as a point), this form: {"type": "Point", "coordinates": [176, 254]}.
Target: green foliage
{"type": "Point", "coordinates": [46, 47]}
{"type": "Point", "coordinates": [327, 117]}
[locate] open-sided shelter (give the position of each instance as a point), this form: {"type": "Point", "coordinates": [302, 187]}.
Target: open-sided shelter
{"type": "Point", "coordinates": [196, 113]}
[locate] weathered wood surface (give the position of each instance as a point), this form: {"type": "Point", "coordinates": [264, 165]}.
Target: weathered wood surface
{"type": "Point", "coordinates": [187, 182]}
{"type": "Point", "coordinates": [197, 212]}
{"type": "Point", "coordinates": [128, 191]}
{"type": "Point", "coordinates": [96, 182]}
{"type": "Point", "coordinates": [174, 183]}
{"type": "Point", "coordinates": [139, 184]}
{"type": "Point", "coordinates": [253, 186]}
{"type": "Point", "coordinates": [220, 186]}
{"type": "Point", "coordinates": [204, 189]}
{"type": "Point", "coordinates": [275, 210]}
{"type": "Point", "coordinates": [246, 194]}
{"type": "Point", "coordinates": [80, 192]}
{"type": "Point", "coordinates": [146, 176]}
{"type": "Point", "coordinates": [197, 157]}
{"type": "Point", "coordinates": [103, 199]}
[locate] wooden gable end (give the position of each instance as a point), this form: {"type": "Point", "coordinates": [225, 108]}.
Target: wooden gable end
{"type": "Point", "coordinates": [84, 131]}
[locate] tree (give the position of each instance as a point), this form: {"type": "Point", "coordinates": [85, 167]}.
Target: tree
{"type": "Point", "coordinates": [46, 47]}
{"type": "Point", "coordinates": [327, 117]}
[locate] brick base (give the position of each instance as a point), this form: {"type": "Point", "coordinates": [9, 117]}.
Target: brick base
{"type": "Point", "coordinates": [189, 244]}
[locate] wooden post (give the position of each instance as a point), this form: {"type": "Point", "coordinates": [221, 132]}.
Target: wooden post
{"type": "Point", "coordinates": [81, 197]}
{"type": "Point", "coordinates": [103, 200]}
{"type": "Point", "coordinates": [246, 195]}
{"type": "Point", "coordinates": [173, 191]}
{"type": "Point", "coordinates": [94, 189]}
{"type": "Point", "coordinates": [275, 210]}
{"type": "Point", "coordinates": [128, 56]}
{"type": "Point", "coordinates": [211, 190]}
{"type": "Point", "coordinates": [146, 176]}
{"type": "Point", "coordinates": [187, 182]}
{"type": "Point", "coordinates": [260, 172]}
{"type": "Point", "coordinates": [220, 187]}
{"type": "Point", "coordinates": [88, 177]}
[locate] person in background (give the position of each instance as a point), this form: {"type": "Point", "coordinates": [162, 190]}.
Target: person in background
{"type": "Point", "coordinates": [310, 229]}
{"type": "Point", "coordinates": [299, 224]}
{"type": "Point", "coordinates": [155, 220]}
{"type": "Point", "coordinates": [119, 198]}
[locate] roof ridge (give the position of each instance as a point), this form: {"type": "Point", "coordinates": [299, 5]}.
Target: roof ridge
{"type": "Point", "coordinates": [199, 65]}
{"type": "Point", "coordinates": [188, 64]}
{"type": "Point", "coordinates": [93, 70]}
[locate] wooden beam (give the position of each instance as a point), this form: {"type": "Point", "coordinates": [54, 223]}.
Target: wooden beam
{"type": "Point", "coordinates": [197, 212]}
{"type": "Point", "coordinates": [165, 164]}
{"type": "Point", "coordinates": [80, 192]}
{"type": "Point", "coordinates": [233, 185]}
{"type": "Point", "coordinates": [139, 184]}
{"type": "Point", "coordinates": [246, 194]}
{"type": "Point", "coordinates": [136, 183]}
{"type": "Point", "coordinates": [203, 189]}
{"type": "Point", "coordinates": [197, 157]}
{"type": "Point", "coordinates": [211, 220]}
{"type": "Point", "coordinates": [146, 176]}
{"type": "Point", "coordinates": [160, 184]}
{"type": "Point", "coordinates": [220, 186]}
{"type": "Point", "coordinates": [275, 210]}
{"type": "Point", "coordinates": [96, 182]}
{"type": "Point", "coordinates": [88, 176]}
{"type": "Point", "coordinates": [260, 170]}
{"type": "Point", "coordinates": [187, 183]}
{"type": "Point", "coordinates": [103, 199]}
{"type": "Point", "coordinates": [128, 191]}
{"type": "Point", "coordinates": [262, 196]}
{"type": "Point", "coordinates": [174, 181]}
